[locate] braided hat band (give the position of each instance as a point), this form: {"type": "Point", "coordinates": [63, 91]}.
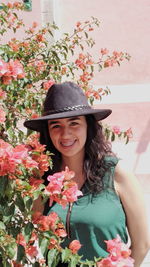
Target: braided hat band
{"type": "Point", "coordinates": [77, 107]}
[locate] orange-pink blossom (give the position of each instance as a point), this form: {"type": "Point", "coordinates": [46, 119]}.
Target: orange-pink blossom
{"type": "Point", "coordinates": [74, 246]}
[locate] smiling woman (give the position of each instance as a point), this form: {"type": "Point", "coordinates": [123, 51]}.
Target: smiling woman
{"type": "Point", "coordinates": [111, 201]}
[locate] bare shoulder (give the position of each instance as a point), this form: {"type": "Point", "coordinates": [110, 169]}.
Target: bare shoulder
{"type": "Point", "coordinates": [126, 180]}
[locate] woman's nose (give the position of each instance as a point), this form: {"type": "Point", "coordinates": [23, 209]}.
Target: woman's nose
{"type": "Point", "coordinates": [65, 131]}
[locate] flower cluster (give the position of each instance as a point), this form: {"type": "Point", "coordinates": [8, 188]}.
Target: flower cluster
{"type": "Point", "coordinates": [11, 70]}
{"type": "Point", "coordinates": [115, 132]}
{"type": "Point", "coordinates": [119, 254]}
{"type": "Point", "coordinates": [62, 188]}
{"type": "Point", "coordinates": [11, 158]}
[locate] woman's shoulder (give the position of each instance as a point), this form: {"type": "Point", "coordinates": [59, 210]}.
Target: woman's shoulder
{"type": "Point", "coordinates": [123, 174]}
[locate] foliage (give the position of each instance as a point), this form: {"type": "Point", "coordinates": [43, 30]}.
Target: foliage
{"type": "Point", "coordinates": [28, 67]}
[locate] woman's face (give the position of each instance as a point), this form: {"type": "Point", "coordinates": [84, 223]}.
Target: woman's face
{"type": "Point", "coordinates": [68, 135]}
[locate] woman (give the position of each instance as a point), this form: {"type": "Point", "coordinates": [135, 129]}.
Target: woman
{"type": "Point", "coordinates": [112, 202]}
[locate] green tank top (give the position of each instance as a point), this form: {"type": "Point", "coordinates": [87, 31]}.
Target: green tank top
{"type": "Point", "coordinates": [95, 219]}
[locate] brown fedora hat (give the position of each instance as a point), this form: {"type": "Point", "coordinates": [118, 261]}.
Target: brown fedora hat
{"type": "Point", "coordinates": [65, 100]}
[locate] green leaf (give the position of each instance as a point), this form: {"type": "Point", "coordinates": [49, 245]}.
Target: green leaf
{"type": "Point", "coordinates": [73, 262]}
{"type": "Point", "coordinates": [112, 136]}
{"type": "Point", "coordinates": [53, 258]}
{"type": "Point", "coordinates": [20, 253]}
{"type": "Point", "coordinates": [43, 245]}
{"type": "Point", "coordinates": [36, 264]}
{"type": "Point", "coordinates": [20, 203]}
{"type": "Point", "coordinates": [28, 230]}
{"type": "Point", "coordinates": [66, 253]}
{"type": "Point", "coordinates": [6, 264]}
{"type": "Point", "coordinates": [2, 226]}
{"type": "Point", "coordinates": [3, 184]}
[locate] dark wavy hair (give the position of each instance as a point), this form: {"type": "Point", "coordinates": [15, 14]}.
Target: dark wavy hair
{"type": "Point", "coordinates": [96, 150]}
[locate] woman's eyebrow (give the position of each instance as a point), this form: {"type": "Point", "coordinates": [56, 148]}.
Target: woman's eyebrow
{"type": "Point", "coordinates": [74, 118]}
{"type": "Point", "coordinates": [52, 122]}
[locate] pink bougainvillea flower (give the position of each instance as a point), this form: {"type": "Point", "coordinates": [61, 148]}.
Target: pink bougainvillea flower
{"type": "Point", "coordinates": [61, 232]}
{"type": "Point", "coordinates": [15, 69]}
{"type": "Point", "coordinates": [106, 262]}
{"type": "Point", "coordinates": [116, 130]}
{"type": "Point", "coordinates": [62, 188]}
{"type": "Point", "coordinates": [34, 24]}
{"type": "Point", "coordinates": [46, 222]}
{"type": "Point", "coordinates": [78, 24]}
{"type": "Point", "coordinates": [74, 246]}
{"type": "Point", "coordinates": [72, 193]}
{"type": "Point", "coordinates": [11, 157]}
{"type": "Point", "coordinates": [32, 251]}
{"type": "Point", "coordinates": [3, 67]}
{"type": "Point", "coordinates": [21, 240]}
{"type": "Point", "coordinates": [16, 264]}
{"type": "Point", "coordinates": [6, 80]}
{"type": "Point", "coordinates": [119, 254]}
{"type": "Point", "coordinates": [35, 182]}
{"type": "Point", "coordinates": [2, 94]}
{"type": "Point", "coordinates": [47, 85]}
{"type": "Point", "coordinates": [129, 133]}
{"type": "Point", "coordinates": [104, 51]}
{"type": "Point", "coordinates": [2, 115]}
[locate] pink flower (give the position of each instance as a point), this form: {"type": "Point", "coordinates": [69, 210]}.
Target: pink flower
{"type": "Point", "coordinates": [61, 232]}
{"type": "Point", "coordinates": [104, 51]}
{"type": "Point", "coordinates": [56, 183]}
{"type": "Point", "coordinates": [75, 246]}
{"type": "Point", "coordinates": [34, 24]}
{"type": "Point", "coordinates": [3, 67]}
{"type": "Point", "coordinates": [35, 182]}
{"type": "Point", "coordinates": [106, 262]}
{"type": "Point", "coordinates": [2, 94]}
{"type": "Point", "coordinates": [72, 193]}
{"type": "Point", "coordinates": [31, 251]}
{"type": "Point", "coordinates": [48, 84]}
{"type": "Point", "coordinates": [119, 254]}
{"type": "Point", "coordinates": [129, 133]}
{"type": "Point", "coordinates": [21, 240]}
{"type": "Point", "coordinates": [6, 80]}
{"type": "Point", "coordinates": [62, 188]}
{"type": "Point", "coordinates": [46, 222]}
{"type": "Point", "coordinates": [15, 69]}
{"type": "Point", "coordinates": [2, 116]}
{"type": "Point", "coordinates": [116, 130]}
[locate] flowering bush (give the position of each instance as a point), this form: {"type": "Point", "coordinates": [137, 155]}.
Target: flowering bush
{"type": "Point", "coordinates": [28, 68]}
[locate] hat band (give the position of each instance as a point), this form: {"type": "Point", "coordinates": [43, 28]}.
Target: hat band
{"type": "Point", "coordinates": [78, 107]}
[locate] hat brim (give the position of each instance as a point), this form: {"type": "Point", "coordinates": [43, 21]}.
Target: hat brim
{"type": "Point", "coordinates": [37, 124]}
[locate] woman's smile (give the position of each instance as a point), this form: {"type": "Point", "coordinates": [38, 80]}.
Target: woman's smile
{"type": "Point", "coordinates": [67, 144]}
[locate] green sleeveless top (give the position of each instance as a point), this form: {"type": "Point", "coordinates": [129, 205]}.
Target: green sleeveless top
{"type": "Point", "coordinates": [95, 219]}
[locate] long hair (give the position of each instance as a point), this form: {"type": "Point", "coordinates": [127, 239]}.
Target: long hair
{"type": "Point", "coordinates": [96, 149]}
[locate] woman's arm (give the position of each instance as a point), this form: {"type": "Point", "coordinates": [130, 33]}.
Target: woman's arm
{"type": "Point", "coordinates": [132, 200]}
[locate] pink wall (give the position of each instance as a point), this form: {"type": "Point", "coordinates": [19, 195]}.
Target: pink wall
{"type": "Point", "coordinates": [124, 26]}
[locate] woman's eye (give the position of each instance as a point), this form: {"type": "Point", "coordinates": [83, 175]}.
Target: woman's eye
{"type": "Point", "coordinates": [74, 123]}
{"type": "Point", "coordinates": [55, 126]}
